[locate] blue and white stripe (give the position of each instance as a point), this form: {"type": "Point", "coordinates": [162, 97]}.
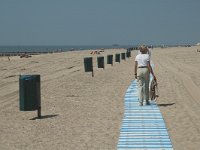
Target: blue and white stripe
{"type": "Point", "coordinates": [143, 127]}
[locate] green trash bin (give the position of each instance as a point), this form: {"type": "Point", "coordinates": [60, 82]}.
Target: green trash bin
{"type": "Point", "coordinates": [117, 58]}
{"type": "Point", "coordinates": [128, 54]}
{"type": "Point", "coordinates": [100, 62]}
{"type": "Point", "coordinates": [110, 59]}
{"type": "Point", "coordinates": [88, 64]}
{"type": "Point", "coordinates": [29, 92]}
{"type": "Point", "coordinates": [123, 55]}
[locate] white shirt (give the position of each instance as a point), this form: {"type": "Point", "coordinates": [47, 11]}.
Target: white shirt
{"type": "Point", "coordinates": [148, 52]}
{"type": "Point", "coordinates": [142, 59]}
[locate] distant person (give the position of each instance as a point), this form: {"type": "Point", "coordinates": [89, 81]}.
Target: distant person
{"type": "Point", "coordinates": [149, 51]}
{"type": "Point", "coordinates": [142, 71]}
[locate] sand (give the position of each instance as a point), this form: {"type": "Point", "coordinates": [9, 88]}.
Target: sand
{"type": "Point", "coordinates": [178, 73]}
{"type": "Point", "coordinates": [82, 112]}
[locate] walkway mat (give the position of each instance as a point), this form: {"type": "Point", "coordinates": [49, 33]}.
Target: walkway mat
{"type": "Point", "coordinates": [143, 127]}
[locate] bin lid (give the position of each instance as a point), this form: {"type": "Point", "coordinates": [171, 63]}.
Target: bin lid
{"type": "Point", "coordinates": [28, 77]}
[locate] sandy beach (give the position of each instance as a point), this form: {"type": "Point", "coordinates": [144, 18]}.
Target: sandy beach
{"type": "Point", "coordinates": [81, 112]}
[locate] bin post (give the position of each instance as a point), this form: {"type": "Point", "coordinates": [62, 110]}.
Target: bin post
{"type": "Point", "coordinates": [39, 112]}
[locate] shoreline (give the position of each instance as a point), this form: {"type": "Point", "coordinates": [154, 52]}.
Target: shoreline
{"type": "Point", "coordinates": [34, 52]}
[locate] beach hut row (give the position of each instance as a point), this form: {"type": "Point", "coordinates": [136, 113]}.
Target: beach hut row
{"type": "Point", "coordinates": [88, 61]}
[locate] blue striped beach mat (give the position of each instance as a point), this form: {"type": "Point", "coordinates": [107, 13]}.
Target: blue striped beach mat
{"type": "Point", "coordinates": [143, 127]}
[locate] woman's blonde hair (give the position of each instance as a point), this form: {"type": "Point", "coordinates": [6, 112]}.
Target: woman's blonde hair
{"type": "Point", "coordinates": [142, 49]}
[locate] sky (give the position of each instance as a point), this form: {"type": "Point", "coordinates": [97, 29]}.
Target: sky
{"type": "Point", "coordinates": [99, 22]}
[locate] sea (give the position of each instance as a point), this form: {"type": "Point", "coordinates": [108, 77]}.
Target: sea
{"type": "Point", "coordinates": [15, 49]}
{"type": "Point", "coordinates": [57, 48]}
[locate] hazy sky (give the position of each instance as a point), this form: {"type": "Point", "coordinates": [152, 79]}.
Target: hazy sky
{"type": "Point", "coordinates": [99, 22]}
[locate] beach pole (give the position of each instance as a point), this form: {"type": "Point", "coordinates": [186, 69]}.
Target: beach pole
{"type": "Point", "coordinates": [39, 113]}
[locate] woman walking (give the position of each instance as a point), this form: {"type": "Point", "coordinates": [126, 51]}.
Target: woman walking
{"type": "Point", "coordinates": [142, 70]}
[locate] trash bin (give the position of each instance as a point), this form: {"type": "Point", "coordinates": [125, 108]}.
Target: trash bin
{"type": "Point", "coordinates": [29, 92]}
{"type": "Point", "coordinates": [100, 62]}
{"type": "Point", "coordinates": [128, 54]}
{"type": "Point", "coordinates": [123, 56]}
{"type": "Point", "coordinates": [110, 59]}
{"type": "Point", "coordinates": [88, 64]}
{"type": "Point", "coordinates": [117, 58]}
